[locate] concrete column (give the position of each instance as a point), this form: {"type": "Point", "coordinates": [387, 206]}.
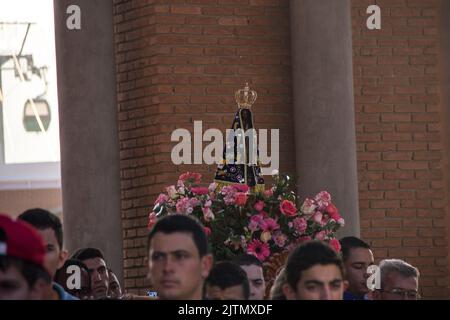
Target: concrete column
{"type": "Point", "coordinates": [88, 129]}
{"type": "Point", "coordinates": [325, 143]}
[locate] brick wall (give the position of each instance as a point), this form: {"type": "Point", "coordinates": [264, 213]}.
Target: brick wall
{"type": "Point", "coordinates": [180, 61]}
{"type": "Point", "coordinates": [400, 137]}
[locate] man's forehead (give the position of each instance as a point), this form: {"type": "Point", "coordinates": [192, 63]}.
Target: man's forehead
{"type": "Point", "coordinates": [170, 242]}
{"type": "Point", "coordinates": [48, 235]}
{"type": "Point", "coordinates": [360, 254]}
{"type": "Point", "coordinates": [94, 262]}
{"type": "Point", "coordinates": [253, 271]}
{"type": "Point", "coordinates": [322, 273]}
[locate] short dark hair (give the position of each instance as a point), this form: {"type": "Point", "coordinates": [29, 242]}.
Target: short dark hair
{"type": "Point", "coordinates": [226, 274]}
{"type": "Point", "coordinates": [182, 223]}
{"type": "Point", "coordinates": [308, 255]}
{"type": "Point", "coordinates": [73, 262]}
{"type": "Point", "coordinates": [87, 253]}
{"type": "Point", "coordinates": [30, 271]}
{"type": "Point", "coordinates": [349, 243]}
{"type": "Point", "coordinates": [247, 260]}
{"type": "Point", "coordinates": [43, 219]}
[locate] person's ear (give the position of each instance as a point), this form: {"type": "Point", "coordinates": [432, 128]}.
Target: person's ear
{"type": "Point", "coordinates": [206, 265]}
{"type": "Point", "coordinates": [288, 292]}
{"type": "Point", "coordinates": [38, 290]}
{"type": "Point", "coordinates": [345, 284]}
{"type": "Point", "coordinates": [63, 255]}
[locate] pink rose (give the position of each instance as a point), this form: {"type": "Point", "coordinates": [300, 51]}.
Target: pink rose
{"type": "Point", "coordinates": [300, 224]}
{"type": "Point", "coordinates": [333, 212]}
{"type": "Point", "coordinates": [288, 208]}
{"type": "Point", "coordinates": [241, 199]}
{"type": "Point", "coordinates": [259, 206]}
{"type": "Point", "coordinates": [335, 244]}
{"type": "Point", "coordinates": [253, 226]}
{"type": "Point", "coordinates": [320, 235]}
{"type": "Point", "coordinates": [255, 222]}
{"type": "Point", "coordinates": [162, 198]}
{"type": "Point", "coordinates": [191, 177]}
{"type": "Point", "coordinates": [257, 218]}
{"type": "Point", "coordinates": [341, 222]}
{"type": "Point", "coordinates": [317, 217]}
{"type": "Point", "coordinates": [323, 199]}
{"type": "Point", "coordinates": [268, 193]}
{"type": "Point", "coordinates": [199, 190]}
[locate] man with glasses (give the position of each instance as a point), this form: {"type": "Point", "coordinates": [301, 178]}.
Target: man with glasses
{"type": "Point", "coordinates": [399, 281]}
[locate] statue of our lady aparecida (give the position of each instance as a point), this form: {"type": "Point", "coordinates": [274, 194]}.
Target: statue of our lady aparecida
{"type": "Point", "coordinates": [240, 161]}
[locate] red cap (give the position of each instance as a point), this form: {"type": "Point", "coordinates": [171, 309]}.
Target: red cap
{"type": "Point", "coordinates": [20, 240]}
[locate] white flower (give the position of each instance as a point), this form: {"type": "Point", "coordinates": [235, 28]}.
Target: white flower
{"type": "Point", "coordinates": [172, 192]}
{"type": "Point", "coordinates": [212, 187]}
{"type": "Point", "coordinates": [308, 207]}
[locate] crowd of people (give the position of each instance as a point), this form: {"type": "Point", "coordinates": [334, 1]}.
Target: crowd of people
{"type": "Point", "coordinates": [35, 265]}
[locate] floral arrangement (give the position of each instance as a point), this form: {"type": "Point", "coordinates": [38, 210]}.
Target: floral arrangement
{"type": "Point", "coordinates": [238, 220]}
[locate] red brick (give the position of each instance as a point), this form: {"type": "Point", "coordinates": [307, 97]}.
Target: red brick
{"type": "Point", "coordinates": [385, 204]}
{"type": "Point", "coordinates": [399, 175]}
{"type": "Point", "coordinates": [401, 232]}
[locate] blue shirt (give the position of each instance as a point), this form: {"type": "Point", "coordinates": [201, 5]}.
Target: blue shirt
{"type": "Point", "coordinates": [350, 296]}
{"type": "Point", "coordinates": [63, 295]}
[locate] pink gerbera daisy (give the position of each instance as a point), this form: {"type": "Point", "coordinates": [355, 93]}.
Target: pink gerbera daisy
{"type": "Point", "coordinates": [259, 249]}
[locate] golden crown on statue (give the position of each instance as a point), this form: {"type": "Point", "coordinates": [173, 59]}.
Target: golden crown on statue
{"type": "Point", "coordinates": [245, 97]}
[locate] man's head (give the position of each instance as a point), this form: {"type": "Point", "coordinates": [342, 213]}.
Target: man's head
{"type": "Point", "coordinates": [227, 281]}
{"type": "Point", "coordinates": [95, 262]}
{"type": "Point", "coordinates": [314, 271]}
{"type": "Point", "coordinates": [50, 228]}
{"type": "Point", "coordinates": [255, 275]}
{"type": "Point", "coordinates": [22, 272]}
{"type": "Point", "coordinates": [357, 257]}
{"type": "Point", "coordinates": [74, 278]}
{"type": "Point", "coordinates": [115, 290]}
{"type": "Point", "coordinates": [276, 292]}
{"type": "Point", "coordinates": [399, 281]}
{"type": "Point", "coordinates": [179, 261]}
